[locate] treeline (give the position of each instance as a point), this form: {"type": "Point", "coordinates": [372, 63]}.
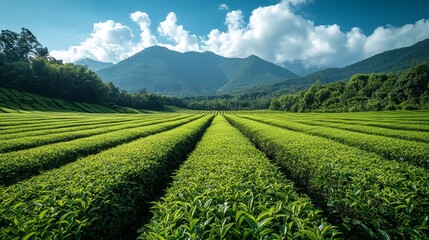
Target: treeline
{"type": "Point", "coordinates": [26, 65]}
{"type": "Point", "coordinates": [242, 101]}
{"type": "Point", "coordinates": [406, 90]}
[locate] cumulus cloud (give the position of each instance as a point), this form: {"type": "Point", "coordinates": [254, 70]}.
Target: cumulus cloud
{"type": "Point", "coordinates": [223, 7]}
{"type": "Point", "coordinates": [183, 41]}
{"type": "Point", "coordinates": [143, 20]}
{"type": "Point", "coordinates": [275, 33]}
{"type": "Point", "coordinates": [113, 42]}
{"type": "Point", "coordinates": [384, 38]}
{"type": "Point", "coordinates": [109, 41]}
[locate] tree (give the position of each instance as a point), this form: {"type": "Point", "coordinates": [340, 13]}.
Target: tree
{"type": "Point", "coordinates": [307, 103]}
{"type": "Point", "coordinates": [415, 81]}
{"type": "Point", "coordinates": [408, 89]}
{"type": "Point", "coordinates": [275, 104]}
{"type": "Point", "coordinates": [375, 81]}
{"type": "Point", "coordinates": [9, 45]}
{"type": "Point", "coordinates": [322, 95]}
{"type": "Point", "coordinates": [26, 65]}
{"type": "Point", "coordinates": [21, 47]}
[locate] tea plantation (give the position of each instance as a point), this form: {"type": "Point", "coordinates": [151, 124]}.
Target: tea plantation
{"type": "Point", "coordinates": [102, 174]}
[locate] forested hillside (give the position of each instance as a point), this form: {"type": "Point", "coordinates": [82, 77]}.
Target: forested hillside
{"type": "Point", "coordinates": [26, 65]}
{"type": "Point", "coordinates": [408, 89]}
{"type": "Point", "coordinates": [171, 73]}
{"type": "Point", "coordinates": [388, 61]}
{"type": "Point", "coordinates": [260, 97]}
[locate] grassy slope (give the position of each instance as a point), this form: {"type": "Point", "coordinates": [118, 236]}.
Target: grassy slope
{"type": "Point", "coordinates": [17, 101]}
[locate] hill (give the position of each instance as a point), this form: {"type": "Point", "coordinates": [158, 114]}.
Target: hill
{"type": "Point", "coordinates": [25, 65]}
{"type": "Point", "coordinates": [260, 97]}
{"type": "Point", "coordinates": [171, 73]}
{"type": "Point", "coordinates": [249, 72]}
{"type": "Point", "coordinates": [17, 101]}
{"type": "Point", "coordinates": [407, 90]}
{"type": "Point", "coordinates": [388, 61]}
{"type": "Point", "coordinates": [93, 64]}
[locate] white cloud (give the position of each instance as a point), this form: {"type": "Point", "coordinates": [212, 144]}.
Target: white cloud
{"type": "Point", "coordinates": [109, 41]}
{"type": "Point", "coordinates": [234, 20]}
{"type": "Point", "coordinates": [176, 33]}
{"type": "Point", "coordinates": [223, 7]}
{"type": "Point", "coordinates": [385, 38]}
{"type": "Point", "coordinates": [146, 37]}
{"type": "Point", "coordinates": [275, 33]}
{"type": "Point", "coordinates": [113, 42]}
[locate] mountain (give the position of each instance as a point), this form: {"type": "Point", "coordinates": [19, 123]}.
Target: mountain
{"type": "Point", "coordinates": [162, 71]}
{"type": "Point", "coordinates": [393, 60]}
{"type": "Point", "coordinates": [93, 64]}
{"type": "Point", "coordinates": [388, 61]}
{"type": "Point", "coordinates": [250, 72]}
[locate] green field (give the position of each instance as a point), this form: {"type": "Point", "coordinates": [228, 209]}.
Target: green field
{"type": "Point", "coordinates": [95, 173]}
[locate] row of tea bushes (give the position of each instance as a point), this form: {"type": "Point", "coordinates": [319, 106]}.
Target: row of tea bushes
{"type": "Point", "coordinates": [68, 134]}
{"type": "Point", "coordinates": [416, 153]}
{"type": "Point", "coordinates": [227, 189]}
{"type": "Point", "coordinates": [366, 193]}
{"type": "Point", "coordinates": [99, 196]}
{"type": "Point", "coordinates": [22, 164]}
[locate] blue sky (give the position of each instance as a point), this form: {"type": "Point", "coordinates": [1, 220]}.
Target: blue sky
{"type": "Point", "coordinates": [311, 32]}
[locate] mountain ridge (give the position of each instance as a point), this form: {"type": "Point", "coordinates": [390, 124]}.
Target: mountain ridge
{"type": "Point", "coordinates": [387, 61]}
{"type": "Point", "coordinates": [92, 64]}
{"type": "Point", "coordinates": [163, 71]}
